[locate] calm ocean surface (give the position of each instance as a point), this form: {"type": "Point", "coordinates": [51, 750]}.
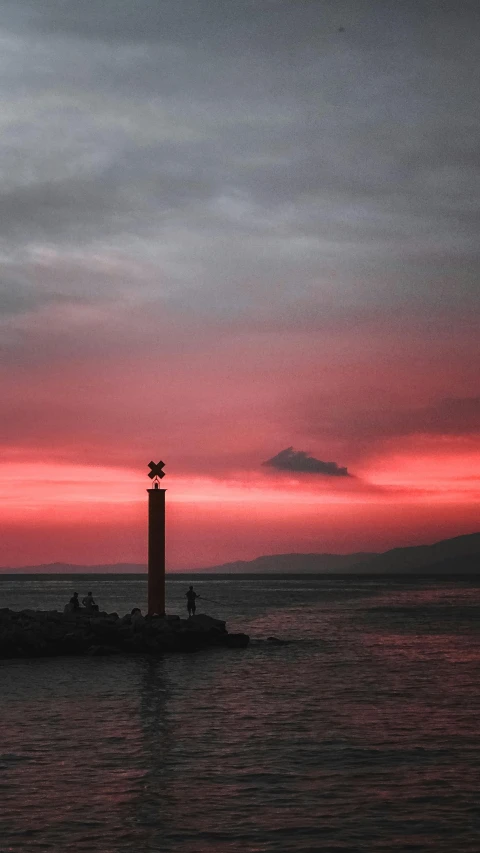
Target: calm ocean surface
{"type": "Point", "coordinates": [359, 734]}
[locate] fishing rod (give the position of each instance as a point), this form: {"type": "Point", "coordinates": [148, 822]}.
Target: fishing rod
{"type": "Point", "coordinates": [211, 600]}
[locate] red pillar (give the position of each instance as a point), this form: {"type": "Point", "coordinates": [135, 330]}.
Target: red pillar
{"type": "Point", "coordinates": [156, 551]}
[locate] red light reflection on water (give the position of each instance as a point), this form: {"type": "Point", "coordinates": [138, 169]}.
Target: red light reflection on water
{"type": "Point", "coordinates": [422, 647]}
{"type": "Point", "coordinates": [67, 762]}
{"type": "Point", "coordinates": [413, 683]}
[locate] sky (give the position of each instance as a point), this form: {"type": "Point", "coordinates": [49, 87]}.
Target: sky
{"type": "Point", "coordinates": [240, 237]}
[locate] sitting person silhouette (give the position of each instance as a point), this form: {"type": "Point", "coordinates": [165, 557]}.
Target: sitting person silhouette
{"type": "Point", "coordinates": [88, 602]}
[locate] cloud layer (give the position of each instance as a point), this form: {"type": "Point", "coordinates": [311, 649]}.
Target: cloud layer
{"type": "Point", "coordinates": [227, 227]}
{"type": "Point", "coordinates": [247, 149]}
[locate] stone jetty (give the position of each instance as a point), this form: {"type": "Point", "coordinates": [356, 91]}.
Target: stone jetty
{"type": "Point", "coordinates": [39, 633]}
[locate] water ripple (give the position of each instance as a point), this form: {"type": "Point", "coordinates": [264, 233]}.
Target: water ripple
{"type": "Point", "coordinates": [359, 734]}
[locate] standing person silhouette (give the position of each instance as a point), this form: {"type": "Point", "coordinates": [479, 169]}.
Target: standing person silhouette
{"type": "Point", "coordinates": [191, 595]}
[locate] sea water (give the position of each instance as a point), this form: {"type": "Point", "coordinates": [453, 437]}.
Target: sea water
{"type": "Point", "coordinates": [359, 733]}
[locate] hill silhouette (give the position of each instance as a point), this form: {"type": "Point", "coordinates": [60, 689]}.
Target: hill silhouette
{"type": "Point", "coordinates": [449, 556]}
{"type": "Point", "coordinates": [296, 563]}
{"type": "Point", "coordinates": [458, 555]}
{"type": "Point", "coordinates": [446, 556]}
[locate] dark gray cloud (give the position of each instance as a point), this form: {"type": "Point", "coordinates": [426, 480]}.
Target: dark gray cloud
{"type": "Point", "coordinates": [366, 428]}
{"type": "Point", "coordinates": [248, 154]}
{"type": "Point", "coordinates": [274, 24]}
{"type": "Point", "coordinates": [449, 416]}
{"type": "Point", "coordinates": [300, 462]}
{"type": "Point", "coordinates": [271, 23]}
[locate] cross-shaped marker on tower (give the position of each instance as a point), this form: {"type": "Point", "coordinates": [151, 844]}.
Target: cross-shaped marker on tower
{"type": "Point", "coordinates": [156, 469]}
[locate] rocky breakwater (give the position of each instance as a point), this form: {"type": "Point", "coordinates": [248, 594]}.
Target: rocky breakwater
{"type": "Point", "coordinates": [38, 633]}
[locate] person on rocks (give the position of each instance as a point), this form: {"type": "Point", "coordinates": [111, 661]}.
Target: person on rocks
{"type": "Point", "coordinates": [191, 595]}
{"type": "Point", "coordinates": [89, 603]}
{"type": "Point", "coordinates": [74, 602]}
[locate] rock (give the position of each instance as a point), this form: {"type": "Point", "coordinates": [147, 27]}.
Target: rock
{"type": "Point", "coordinates": [31, 633]}
{"type": "Point", "coordinates": [96, 651]}
{"type": "Point", "coordinates": [138, 621]}
{"type": "Point", "coordinates": [133, 644]}
{"type": "Point", "coordinates": [38, 615]}
{"type": "Point", "coordinates": [202, 622]}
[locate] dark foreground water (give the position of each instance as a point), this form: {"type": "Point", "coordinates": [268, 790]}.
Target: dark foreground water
{"type": "Point", "coordinates": [360, 734]}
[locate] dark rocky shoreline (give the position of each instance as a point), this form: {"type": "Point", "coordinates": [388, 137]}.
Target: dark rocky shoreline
{"type": "Point", "coordinates": [40, 633]}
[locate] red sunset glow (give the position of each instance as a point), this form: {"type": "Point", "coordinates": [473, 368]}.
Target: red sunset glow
{"type": "Point", "coordinates": [213, 255]}
{"type": "Point", "coordinates": [93, 514]}
{"type": "Point", "coordinates": [78, 432]}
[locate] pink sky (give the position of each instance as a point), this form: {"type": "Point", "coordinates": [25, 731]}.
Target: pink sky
{"type": "Point", "coordinates": [79, 434]}
{"type": "Point", "coordinates": [229, 238]}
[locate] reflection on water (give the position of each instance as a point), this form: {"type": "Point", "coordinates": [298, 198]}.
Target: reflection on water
{"type": "Point", "coordinates": [360, 734]}
{"type": "Point", "coordinates": [153, 807]}
{"type": "Point", "coordinates": [69, 742]}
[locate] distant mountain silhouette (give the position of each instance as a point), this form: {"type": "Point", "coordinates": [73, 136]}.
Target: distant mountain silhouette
{"type": "Point", "coordinates": [296, 563]}
{"type": "Point", "coordinates": [448, 557]}
{"type": "Point", "coordinates": [75, 569]}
